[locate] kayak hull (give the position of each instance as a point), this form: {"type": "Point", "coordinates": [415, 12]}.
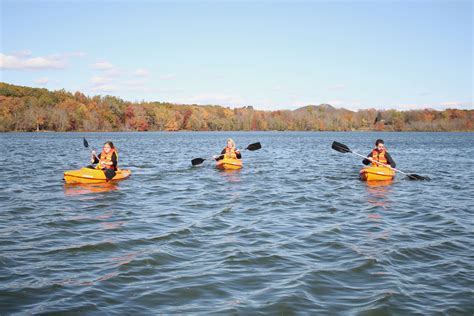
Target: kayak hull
{"type": "Point", "coordinates": [87, 175]}
{"type": "Point", "coordinates": [229, 164]}
{"type": "Point", "coordinates": [370, 174]}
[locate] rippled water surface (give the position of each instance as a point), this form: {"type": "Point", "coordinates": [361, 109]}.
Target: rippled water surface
{"type": "Point", "coordinates": [294, 231]}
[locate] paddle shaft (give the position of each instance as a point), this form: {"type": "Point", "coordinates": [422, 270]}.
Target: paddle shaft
{"type": "Point", "coordinates": [380, 163]}
{"type": "Point", "coordinates": [86, 145]}
{"type": "Point", "coordinates": [236, 151]}
{"type": "Point", "coordinates": [251, 147]}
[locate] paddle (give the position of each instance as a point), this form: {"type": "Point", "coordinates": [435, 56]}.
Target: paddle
{"type": "Point", "coordinates": [344, 149]}
{"type": "Point", "coordinates": [86, 144]}
{"type": "Point", "coordinates": [84, 141]}
{"type": "Point", "coordinates": [251, 147]}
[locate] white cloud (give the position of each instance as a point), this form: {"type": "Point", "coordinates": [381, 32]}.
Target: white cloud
{"type": "Point", "coordinates": [103, 65]}
{"type": "Point", "coordinates": [110, 78]}
{"type": "Point", "coordinates": [141, 73]}
{"type": "Point", "coordinates": [100, 80]}
{"type": "Point", "coordinates": [103, 83]}
{"type": "Point", "coordinates": [13, 62]}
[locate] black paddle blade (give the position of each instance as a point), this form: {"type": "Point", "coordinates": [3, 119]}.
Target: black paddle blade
{"type": "Point", "coordinates": [254, 146]}
{"type": "Point", "coordinates": [84, 141]}
{"type": "Point", "coordinates": [417, 177]}
{"type": "Point", "coordinates": [340, 147]}
{"type": "Point", "coordinates": [197, 161]}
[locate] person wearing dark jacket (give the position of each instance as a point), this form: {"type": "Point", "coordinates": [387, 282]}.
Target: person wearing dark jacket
{"type": "Point", "coordinates": [379, 154]}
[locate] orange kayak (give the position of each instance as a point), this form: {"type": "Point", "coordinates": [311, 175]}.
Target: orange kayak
{"type": "Point", "coordinates": [87, 175]}
{"type": "Point", "coordinates": [229, 164]}
{"type": "Point", "coordinates": [376, 174]}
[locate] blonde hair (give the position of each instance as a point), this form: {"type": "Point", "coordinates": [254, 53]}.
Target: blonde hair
{"type": "Point", "coordinates": [231, 141]}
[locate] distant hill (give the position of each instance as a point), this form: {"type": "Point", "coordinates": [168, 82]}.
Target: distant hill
{"type": "Point", "coordinates": [34, 109]}
{"type": "Point", "coordinates": [316, 108]}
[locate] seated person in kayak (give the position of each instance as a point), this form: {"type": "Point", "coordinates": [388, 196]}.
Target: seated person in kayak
{"type": "Point", "coordinates": [229, 151]}
{"type": "Point", "coordinates": [106, 160]}
{"type": "Point", "coordinates": [379, 154]}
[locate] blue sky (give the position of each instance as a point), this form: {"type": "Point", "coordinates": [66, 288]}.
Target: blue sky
{"type": "Point", "coordinates": [269, 54]}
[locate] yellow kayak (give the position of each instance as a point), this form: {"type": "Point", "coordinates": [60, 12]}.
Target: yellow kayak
{"type": "Point", "coordinates": [229, 164]}
{"type": "Point", "coordinates": [87, 175]}
{"type": "Point", "coordinates": [376, 174]}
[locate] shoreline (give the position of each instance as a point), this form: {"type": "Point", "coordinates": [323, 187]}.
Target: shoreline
{"type": "Point", "coordinates": [240, 131]}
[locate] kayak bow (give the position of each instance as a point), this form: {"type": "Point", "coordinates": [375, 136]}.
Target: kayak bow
{"type": "Point", "coordinates": [229, 164]}
{"type": "Point", "coordinates": [376, 174]}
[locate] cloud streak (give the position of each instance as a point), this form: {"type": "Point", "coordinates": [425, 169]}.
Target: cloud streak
{"type": "Point", "coordinates": [104, 66]}
{"type": "Point", "coordinates": [24, 62]}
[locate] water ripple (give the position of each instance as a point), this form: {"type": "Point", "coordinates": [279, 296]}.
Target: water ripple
{"type": "Point", "coordinates": [293, 232]}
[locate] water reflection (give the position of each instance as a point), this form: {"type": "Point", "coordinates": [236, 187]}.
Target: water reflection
{"type": "Point", "coordinates": [378, 195]}
{"type": "Point", "coordinates": [313, 236]}
{"type": "Point", "coordinates": [231, 175]}
{"type": "Point", "coordinates": [380, 183]}
{"type": "Point", "coordinates": [80, 189]}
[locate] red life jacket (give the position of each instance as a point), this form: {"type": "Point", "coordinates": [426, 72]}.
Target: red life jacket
{"type": "Point", "coordinates": [379, 156]}
{"type": "Point", "coordinates": [107, 158]}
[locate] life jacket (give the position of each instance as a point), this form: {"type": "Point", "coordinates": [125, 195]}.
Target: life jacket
{"type": "Point", "coordinates": [230, 153]}
{"type": "Point", "coordinates": [107, 158]}
{"type": "Point", "coordinates": [379, 156]}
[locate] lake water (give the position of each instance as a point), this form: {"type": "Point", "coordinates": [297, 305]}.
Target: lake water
{"type": "Point", "coordinates": [293, 232]}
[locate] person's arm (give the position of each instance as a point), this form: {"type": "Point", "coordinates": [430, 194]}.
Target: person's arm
{"type": "Point", "coordinates": [114, 160]}
{"type": "Point", "coordinates": [94, 158]}
{"type": "Point", "coordinates": [390, 160]}
{"type": "Point", "coordinates": [238, 155]}
{"type": "Point", "coordinates": [367, 161]}
{"type": "Point", "coordinates": [220, 157]}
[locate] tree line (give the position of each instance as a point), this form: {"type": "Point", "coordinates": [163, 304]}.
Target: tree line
{"type": "Point", "coordinates": [36, 109]}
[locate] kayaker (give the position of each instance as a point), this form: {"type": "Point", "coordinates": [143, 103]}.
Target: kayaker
{"type": "Point", "coordinates": [106, 160]}
{"type": "Point", "coordinates": [229, 151]}
{"type": "Point", "coordinates": [380, 154]}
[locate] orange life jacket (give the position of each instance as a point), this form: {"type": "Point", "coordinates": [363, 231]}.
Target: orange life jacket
{"type": "Point", "coordinates": [379, 156]}
{"type": "Point", "coordinates": [107, 158]}
{"type": "Point", "coordinates": [230, 153]}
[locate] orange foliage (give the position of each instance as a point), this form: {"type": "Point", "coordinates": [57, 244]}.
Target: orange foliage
{"type": "Point", "coordinates": [29, 109]}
